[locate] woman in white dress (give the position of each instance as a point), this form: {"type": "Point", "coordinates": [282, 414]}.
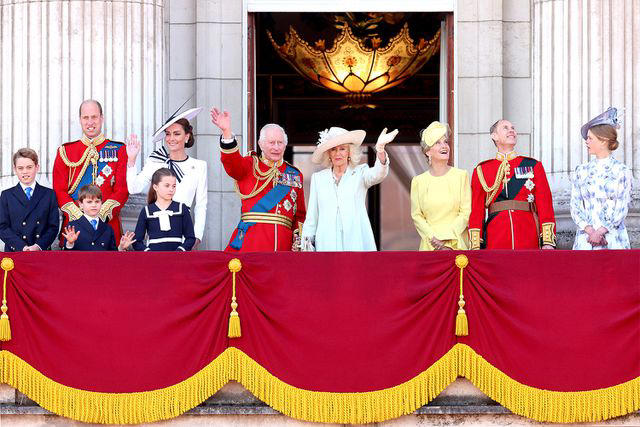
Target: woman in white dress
{"type": "Point", "coordinates": [601, 189]}
{"type": "Point", "coordinates": [191, 173]}
{"type": "Point", "coordinates": [337, 217]}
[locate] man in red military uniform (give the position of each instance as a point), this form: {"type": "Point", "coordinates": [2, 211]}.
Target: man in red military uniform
{"type": "Point", "coordinates": [92, 160]}
{"type": "Point", "coordinates": [511, 206]}
{"type": "Point", "coordinates": [271, 190]}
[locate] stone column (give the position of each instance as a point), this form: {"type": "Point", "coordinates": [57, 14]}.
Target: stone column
{"type": "Point", "coordinates": [494, 75]}
{"type": "Point", "coordinates": [586, 57]}
{"type": "Point", "coordinates": [54, 54]}
{"type": "Point", "coordinates": [205, 58]}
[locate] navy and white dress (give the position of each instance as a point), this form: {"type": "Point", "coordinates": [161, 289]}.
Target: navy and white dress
{"type": "Point", "coordinates": [191, 187]}
{"type": "Point", "coordinates": [168, 229]}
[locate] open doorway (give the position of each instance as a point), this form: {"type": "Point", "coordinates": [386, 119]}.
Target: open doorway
{"type": "Point", "coordinates": [284, 96]}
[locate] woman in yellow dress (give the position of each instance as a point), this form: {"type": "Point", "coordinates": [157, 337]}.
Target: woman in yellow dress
{"type": "Point", "coordinates": [441, 196]}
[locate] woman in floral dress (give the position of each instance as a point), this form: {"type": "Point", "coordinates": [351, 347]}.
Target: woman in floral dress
{"type": "Point", "coordinates": [601, 189]}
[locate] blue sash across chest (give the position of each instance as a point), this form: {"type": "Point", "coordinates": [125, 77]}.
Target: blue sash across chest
{"type": "Point", "coordinates": [265, 204]}
{"type": "Point", "coordinates": [107, 154]}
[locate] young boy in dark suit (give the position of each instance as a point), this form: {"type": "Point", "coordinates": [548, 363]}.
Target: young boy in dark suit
{"type": "Point", "coordinates": [29, 218]}
{"type": "Point", "coordinates": [93, 234]}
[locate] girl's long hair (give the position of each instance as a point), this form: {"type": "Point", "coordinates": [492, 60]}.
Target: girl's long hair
{"type": "Point", "coordinates": [155, 180]}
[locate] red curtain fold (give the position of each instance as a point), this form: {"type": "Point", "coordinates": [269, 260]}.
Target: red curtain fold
{"type": "Point", "coordinates": [117, 322]}
{"type": "Point", "coordinates": [336, 322]}
{"type": "Point", "coordinates": [346, 322]}
{"type": "Point", "coordinates": [556, 320]}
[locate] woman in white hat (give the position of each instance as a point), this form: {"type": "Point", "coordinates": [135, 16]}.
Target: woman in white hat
{"type": "Point", "coordinates": [191, 174]}
{"type": "Point", "coordinates": [441, 196]}
{"type": "Point", "coordinates": [337, 218]}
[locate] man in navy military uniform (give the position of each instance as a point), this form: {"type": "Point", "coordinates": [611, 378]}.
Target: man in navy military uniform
{"type": "Point", "coordinates": [29, 218]}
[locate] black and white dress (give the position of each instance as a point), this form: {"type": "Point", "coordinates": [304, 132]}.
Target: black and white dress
{"type": "Point", "coordinates": [191, 183]}
{"type": "Point", "coordinates": [168, 229]}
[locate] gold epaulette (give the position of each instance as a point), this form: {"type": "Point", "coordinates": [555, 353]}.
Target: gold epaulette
{"type": "Point", "coordinates": [106, 210]}
{"type": "Point", "coordinates": [72, 211]}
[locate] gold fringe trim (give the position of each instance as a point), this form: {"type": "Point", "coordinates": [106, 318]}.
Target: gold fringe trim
{"type": "Point", "coordinates": [366, 407]}
{"type": "Point", "coordinates": [116, 408]}
{"type": "Point", "coordinates": [346, 408]}
{"type": "Point", "coordinates": [546, 405]}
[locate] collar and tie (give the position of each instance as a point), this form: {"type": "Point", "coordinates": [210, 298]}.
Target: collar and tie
{"type": "Point", "coordinates": [94, 223]}
{"type": "Point", "coordinates": [162, 155]}
{"type": "Point", "coordinates": [28, 191]}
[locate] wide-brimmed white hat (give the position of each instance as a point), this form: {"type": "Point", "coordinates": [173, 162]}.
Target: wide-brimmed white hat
{"type": "Point", "coordinates": [333, 137]}
{"type": "Point", "coordinates": [188, 114]}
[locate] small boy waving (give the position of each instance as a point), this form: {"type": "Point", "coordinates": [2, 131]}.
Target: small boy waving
{"type": "Point", "coordinates": [90, 233]}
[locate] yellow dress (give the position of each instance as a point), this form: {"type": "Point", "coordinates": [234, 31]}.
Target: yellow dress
{"type": "Point", "coordinates": [440, 208]}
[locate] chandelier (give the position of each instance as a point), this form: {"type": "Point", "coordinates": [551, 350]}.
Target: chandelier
{"type": "Point", "coordinates": [354, 69]}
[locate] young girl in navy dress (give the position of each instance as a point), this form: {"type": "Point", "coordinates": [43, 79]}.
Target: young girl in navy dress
{"type": "Point", "coordinates": [167, 223]}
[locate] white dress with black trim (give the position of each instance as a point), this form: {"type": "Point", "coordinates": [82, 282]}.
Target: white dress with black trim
{"type": "Point", "coordinates": [168, 229]}
{"type": "Point", "coordinates": [191, 183]}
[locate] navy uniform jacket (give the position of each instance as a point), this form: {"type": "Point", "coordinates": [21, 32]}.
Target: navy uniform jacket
{"type": "Point", "coordinates": [102, 239]}
{"type": "Point", "coordinates": [26, 222]}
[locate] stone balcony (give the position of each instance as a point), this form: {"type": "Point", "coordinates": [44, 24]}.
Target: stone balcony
{"type": "Point", "coordinates": [459, 404]}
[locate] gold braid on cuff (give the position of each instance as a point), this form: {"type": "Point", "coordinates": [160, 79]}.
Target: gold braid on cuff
{"type": "Point", "coordinates": [474, 238]}
{"type": "Point", "coordinates": [548, 234]}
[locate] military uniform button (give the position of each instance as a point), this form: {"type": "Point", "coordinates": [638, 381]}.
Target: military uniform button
{"type": "Point", "coordinates": [24, 237]}
{"type": "Point", "coordinates": [38, 222]}
{"type": "Point", "coordinates": [93, 243]}
{"type": "Point", "coordinates": [24, 223]}
{"type": "Point", "coordinates": [37, 236]}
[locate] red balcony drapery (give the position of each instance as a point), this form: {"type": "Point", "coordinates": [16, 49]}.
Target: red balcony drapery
{"type": "Point", "coordinates": [334, 337]}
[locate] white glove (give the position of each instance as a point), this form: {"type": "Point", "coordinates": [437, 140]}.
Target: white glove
{"type": "Point", "coordinates": [384, 139]}
{"type": "Point", "coordinates": [308, 244]}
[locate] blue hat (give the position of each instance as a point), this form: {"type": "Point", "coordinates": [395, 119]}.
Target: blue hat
{"type": "Point", "coordinates": [609, 117]}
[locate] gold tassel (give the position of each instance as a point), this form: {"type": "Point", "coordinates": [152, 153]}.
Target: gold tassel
{"type": "Point", "coordinates": [234, 318]}
{"type": "Point", "coordinates": [462, 324]}
{"type": "Point", "coordinates": [5, 327]}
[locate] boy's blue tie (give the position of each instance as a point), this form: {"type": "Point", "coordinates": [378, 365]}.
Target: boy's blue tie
{"type": "Point", "coordinates": [28, 190]}
{"type": "Point", "coordinates": [94, 222]}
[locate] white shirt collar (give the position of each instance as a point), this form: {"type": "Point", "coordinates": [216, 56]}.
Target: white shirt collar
{"type": "Point", "coordinates": [32, 186]}
{"type": "Point", "coordinates": [89, 218]}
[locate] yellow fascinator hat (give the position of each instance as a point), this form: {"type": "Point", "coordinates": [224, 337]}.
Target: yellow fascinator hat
{"type": "Point", "coordinates": [432, 134]}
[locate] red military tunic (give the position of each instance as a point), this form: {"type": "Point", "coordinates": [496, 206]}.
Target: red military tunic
{"type": "Point", "coordinates": [256, 177]}
{"type": "Point", "coordinates": [496, 226]}
{"type": "Point", "coordinates": [100, 162]}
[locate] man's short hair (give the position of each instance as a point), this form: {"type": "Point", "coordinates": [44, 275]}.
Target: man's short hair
{"type": "Point", "coordinates": [493, 128]}
{"type": "Point", "coordinates": [268, 126]}
{"type": "Point", "coordinates": [89, 191]}
{"type": "Point", "coordinates": [27, 153]}
{"type": "Point", "coordinates": [88, 101]}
